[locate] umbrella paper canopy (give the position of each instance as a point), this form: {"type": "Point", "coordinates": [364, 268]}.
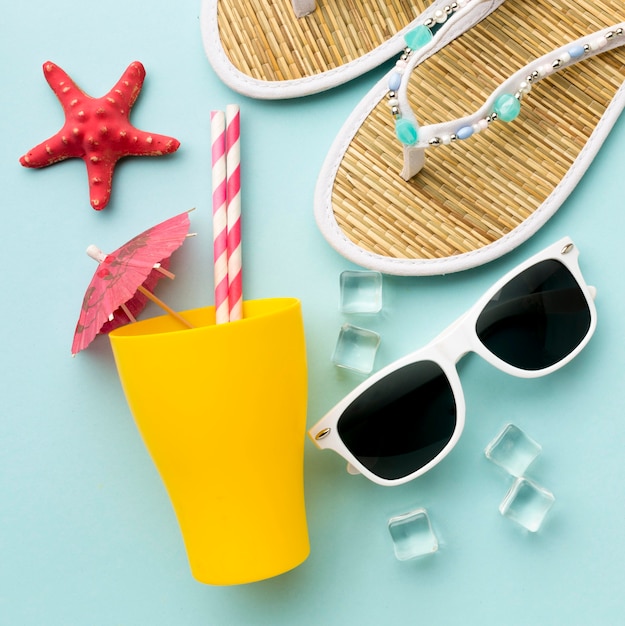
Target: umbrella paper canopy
{"type": "Point", "coordinates": [129, 311]}
{"type": "Point", "coordinates": [125, 278]}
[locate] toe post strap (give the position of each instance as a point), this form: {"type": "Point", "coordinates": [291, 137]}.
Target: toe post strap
{"type": "Point", "coordinates": [504, 104]}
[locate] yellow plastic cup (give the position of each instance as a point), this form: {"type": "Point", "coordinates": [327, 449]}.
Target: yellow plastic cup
{"type": "Point", "coordinates": [222, 411]}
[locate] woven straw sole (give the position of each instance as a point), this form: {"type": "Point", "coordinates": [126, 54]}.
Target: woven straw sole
{"type": "Point", "coordinates": [263, 38]}
{"type": "Point", "coordinates": [472, 193]}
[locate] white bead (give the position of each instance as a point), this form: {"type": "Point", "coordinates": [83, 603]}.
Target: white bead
{"type": "Point", "coordinates": [400, 66]}
{"type": "Point", "coordinates": [525, 87]}
{"type": "Point", "coordinates": [565, 57]}
{"type": "Point", "coordinates": [482, 125]}
{"type": "Point", "coordinates": [439, 17]}
{"type": "Point", "coordinates": [598, 44]}
{"type": "Point", "coordinates": [393, 102]}
{"type": "Point", "coordinates": [446, 140]}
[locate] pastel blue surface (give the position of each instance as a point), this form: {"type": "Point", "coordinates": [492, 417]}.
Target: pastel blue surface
{"type": "Point", "coordinates": [87, 533]}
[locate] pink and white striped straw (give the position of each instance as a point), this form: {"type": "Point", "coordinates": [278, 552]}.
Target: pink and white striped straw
{"type": "Point", "coordinates": [220, 220]}
{"type": "Point", "coordinates": [233, 183]}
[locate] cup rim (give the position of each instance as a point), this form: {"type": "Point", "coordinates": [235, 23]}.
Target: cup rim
{"type": "Point", "coordinates": [204, 318]}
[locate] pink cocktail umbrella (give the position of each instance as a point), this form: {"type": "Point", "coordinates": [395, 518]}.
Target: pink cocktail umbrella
{"type": "Point", "coordinates": [125, 278]}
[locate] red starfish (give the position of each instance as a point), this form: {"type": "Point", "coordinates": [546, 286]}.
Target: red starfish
{"type": "Point", "coordinates": [97, 130]}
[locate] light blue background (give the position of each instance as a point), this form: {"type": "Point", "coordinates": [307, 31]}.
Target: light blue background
{"type": "Point", "coordinates": [87, 534]}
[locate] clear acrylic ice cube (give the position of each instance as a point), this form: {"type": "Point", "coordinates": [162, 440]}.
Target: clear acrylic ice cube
{"type": "Point", "coordinates": [356, 348]}
{"type": "Point", "coordinates": [513, 450]}
{"type": "Point", "coordinates": [527, 503]}
{"type": "Point", "coordinates": [412, 535]}
{"type": "Point", "coordinates": [361, 292]}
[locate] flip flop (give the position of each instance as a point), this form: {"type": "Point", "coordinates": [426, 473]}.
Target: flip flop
{"type": "Point", "coordinates": [495, 183]}
{"type": "Point", "coordinates": [262, 49]}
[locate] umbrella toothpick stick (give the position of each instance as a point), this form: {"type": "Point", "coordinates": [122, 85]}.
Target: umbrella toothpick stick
{"type": "Point", "coordinates": [159, 302]}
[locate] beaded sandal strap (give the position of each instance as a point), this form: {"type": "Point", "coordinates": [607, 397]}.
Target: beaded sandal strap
{"type": "Point", "coordinates": [503, 104]}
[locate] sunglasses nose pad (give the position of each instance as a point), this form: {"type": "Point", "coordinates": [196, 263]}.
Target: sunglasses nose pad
{"type": "Point", "coordinates": [352, 470]}
{"type": "Point", "coordinates": [593, 292]}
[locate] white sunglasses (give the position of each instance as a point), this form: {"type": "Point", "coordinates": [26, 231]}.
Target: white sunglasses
{"type": "Point", "coordinates": [406, 418]}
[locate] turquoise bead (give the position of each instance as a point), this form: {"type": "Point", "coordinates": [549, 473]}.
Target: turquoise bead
{"type": "Point", "coordinates": [507, 107]}
{"type": "Point", "coordinates": [406, 132]}
{"type": "Point", "coordinates": [418, 37]}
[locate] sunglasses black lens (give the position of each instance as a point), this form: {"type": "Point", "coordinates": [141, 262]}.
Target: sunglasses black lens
{"type": "Point", "coordinates": [401, 422]}
{"type": "Point", "coordinates": [536, 319]}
